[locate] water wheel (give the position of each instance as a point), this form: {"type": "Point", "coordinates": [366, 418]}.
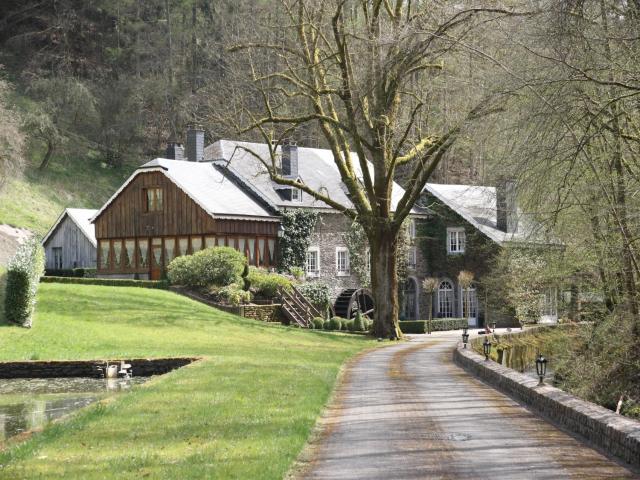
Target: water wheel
{"type": "Point", "coordinates": [353, 300]}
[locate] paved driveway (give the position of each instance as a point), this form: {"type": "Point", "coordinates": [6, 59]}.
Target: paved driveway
{"type": "Point", "coordinates": [407, 412]}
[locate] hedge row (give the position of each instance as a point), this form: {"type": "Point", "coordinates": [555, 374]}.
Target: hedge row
{"type": "Point", "coordinates": [437, 324]}
{"type": "Point", "coordinates": [23, 273]}
{"type": "Point", "coordinates": [71, 272]}
{"type": "Point", "coordinates": [111, 282]}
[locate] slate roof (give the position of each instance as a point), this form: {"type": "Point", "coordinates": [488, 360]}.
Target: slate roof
{"type": "Point", "coordinates": [205, 185]}
{"type": "Point", "coordinates": [316, 169]}
{"type": "Point", "coordinates": [477, 205]}
{"type": "Point", "coordinates": [81, 217]}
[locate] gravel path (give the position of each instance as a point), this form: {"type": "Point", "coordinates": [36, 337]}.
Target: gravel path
{"type": "Point", "coordinates": [407, 412]}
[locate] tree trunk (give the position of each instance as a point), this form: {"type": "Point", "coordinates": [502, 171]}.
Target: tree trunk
{"type": "Point", "coordinates": [47, 156]}
{"type": "Point", "coordinates": [384, 283]}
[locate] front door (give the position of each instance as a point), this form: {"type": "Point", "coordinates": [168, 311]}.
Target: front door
{"type": "Point", "coordinates": [156, 259]}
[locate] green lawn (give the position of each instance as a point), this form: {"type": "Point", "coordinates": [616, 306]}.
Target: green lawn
{"type": "Point", "coordinates": [245, 411]}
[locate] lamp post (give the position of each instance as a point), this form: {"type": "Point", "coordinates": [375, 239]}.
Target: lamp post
{"type": "Point", "coordinates": [465, 337]}
{"type": "Point", "coordinates": [486, 347]}
{"type": "Point", "coordinates": [541, 368]}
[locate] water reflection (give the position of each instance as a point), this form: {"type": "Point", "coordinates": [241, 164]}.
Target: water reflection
{"type": "Point", "coordinates": [28, 403]}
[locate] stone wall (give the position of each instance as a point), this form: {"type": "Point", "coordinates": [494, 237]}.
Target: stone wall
{"type": "Point", "coordinates": [612, 433]}
{"type": "Point", "coordinates": [327, 236]}
{"type": "Point", "coordinates": [141, 367]}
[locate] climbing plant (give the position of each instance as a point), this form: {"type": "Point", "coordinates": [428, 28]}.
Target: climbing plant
{"type": "Point", "coordinates": [358, 246]}
{"type": "Point", "coordinates": [298, 226]}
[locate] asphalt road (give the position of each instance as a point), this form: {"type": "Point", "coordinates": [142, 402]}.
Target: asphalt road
{"type": "Point", "coordinates": [407, 412]}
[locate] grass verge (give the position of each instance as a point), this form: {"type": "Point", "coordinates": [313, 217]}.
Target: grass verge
{"type": "Point", "coordinates": [244, 411]}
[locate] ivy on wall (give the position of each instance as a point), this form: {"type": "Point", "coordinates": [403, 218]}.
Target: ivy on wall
{"type": "Point", "coordinates": [358, 246]}
{"type": "Point", "coordinates": [298, 226]}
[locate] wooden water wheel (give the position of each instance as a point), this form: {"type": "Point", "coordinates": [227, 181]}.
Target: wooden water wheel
{"type": "Point", "coordinates": [353, 300]}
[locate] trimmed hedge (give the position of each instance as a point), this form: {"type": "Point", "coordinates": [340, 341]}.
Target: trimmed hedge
{"type": "Point", "coordinates": [110, 282]}
{"type": "Point", "coordinates": [23, 274]}
{"type": "Point", "coordinates": [71, 272]}
{"type": "Point", "coordinates": [437, 325]}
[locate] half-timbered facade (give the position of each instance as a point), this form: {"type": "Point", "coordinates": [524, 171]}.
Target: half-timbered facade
{"type": "Point", "coordinates": [169, 208]}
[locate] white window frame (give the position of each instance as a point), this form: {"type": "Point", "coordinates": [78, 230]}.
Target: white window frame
{"type": "Point", "coordinates": [460, 246]}
{"type": "Point", "coordinates": [412, 257]}
{"type": "Point", "coordinates": [473, 297]}
{"type": "Point", "coordinates": [412, 229]}
{"type": "Point", "coordinates": [313, 273]}
{"type": "Point", "coordinates": [446, 296]}
{"type": "Point", "coordinates": [343, 272]}
{"type": "Point", "coordinates": [296, 194]}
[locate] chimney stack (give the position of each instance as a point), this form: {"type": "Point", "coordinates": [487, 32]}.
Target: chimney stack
{"type": "Point", "coordinates": [174, 151]}
{"type": "Point", "coordinates": [507, 206]}
{"type": "Point", "coordinates": [195, 143]}
{"type": "Point", "coordinates": [289, 159]}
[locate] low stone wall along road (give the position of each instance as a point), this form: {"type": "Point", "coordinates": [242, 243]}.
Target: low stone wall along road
{"type": "Point", "coordinates": [407, 412]}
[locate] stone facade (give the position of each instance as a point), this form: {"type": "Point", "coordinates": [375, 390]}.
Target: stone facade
{"type": "Point", "coordinates": [612, 433]}
{"type": "Point", "coordinates": [326, 238]}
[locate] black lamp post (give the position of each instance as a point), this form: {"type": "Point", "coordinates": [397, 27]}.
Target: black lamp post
{"type": "Point", "coordinates": [465, 338]}
{"type": "Point", "coordinates": [541, 367]}
{"type": "Point", "coordinates": [465, 329]}
{"type": "Point", "coordinates": [486, 347]}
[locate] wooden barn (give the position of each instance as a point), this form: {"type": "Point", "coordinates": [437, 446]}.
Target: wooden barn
{"type": "Point", "coordinates": [71, 241]}
{"type": "Point", "coordinates": [169, 208]}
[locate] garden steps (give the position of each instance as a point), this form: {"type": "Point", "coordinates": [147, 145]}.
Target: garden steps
{"type": "Point", "coordinates": [297, 308]}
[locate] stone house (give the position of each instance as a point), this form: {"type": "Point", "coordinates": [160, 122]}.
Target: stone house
{"type": "Point", "coordinates": [71, 241]}
{"type": "Point", "coordinates": [468, 226]}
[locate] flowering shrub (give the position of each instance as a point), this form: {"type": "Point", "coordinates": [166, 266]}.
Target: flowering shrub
{"type": "Point", "coordinates": [23, 276]}
{"type": "Point", "coordinates": [317, 293]}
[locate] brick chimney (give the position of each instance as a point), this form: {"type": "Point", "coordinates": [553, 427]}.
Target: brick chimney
{"type": "Point", "coordinates": [289, 159]}
{"type": "Point", "coordinates": [195, 143]}
{"type": "Point", "coordinates": [174, 151]}
{"type": "Point", "coordinates": [507, 206]}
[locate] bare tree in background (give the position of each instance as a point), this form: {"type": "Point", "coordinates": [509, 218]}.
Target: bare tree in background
{"type": "Point", "coordinates": [360, 72]}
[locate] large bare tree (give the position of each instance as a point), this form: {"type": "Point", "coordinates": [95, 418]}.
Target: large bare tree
{"type": "Point", "coordinates": [371, 78]}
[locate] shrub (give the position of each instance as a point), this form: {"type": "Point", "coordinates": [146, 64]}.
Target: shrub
{"type": "Point", "coordinates": [23, 275]}
{"type": "Point", "coordinates": [438, 324]}
{"type": "Point", "coordinates": [233, 295]}
{"type": "Point", "coordinates": [266, 284]}
{"type": "Point", "coordinates": [358, 323]}
{"type": "Point", "coordinates": [297, 272]}
{"type": "Point", "coordinates": [335, 323]}
{"type": "Point", "coordinates": [79, 272]}
{"type": "Point", "coordinates": [413, 326]}
{"type": "Point", "coordinates": [220, 266]}
{"type": "Point", "coordinates": [110, 282]}
{"type": "Point", "coordinates": [317, 293]}
{"type": "Point", "coordinates": [351, 325]}
{"type": "Point", "coordinates": [318, 323]}
{"type": "Point", "coordinates": [327, 325]}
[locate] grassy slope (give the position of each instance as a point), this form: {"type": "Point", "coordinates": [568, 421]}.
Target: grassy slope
{"type": "Point", "coordinates": [243, 412]}
{"type": "Point", "coordinates": [3, 279]}
{"type": "Point", "coordinates": [35, 200]}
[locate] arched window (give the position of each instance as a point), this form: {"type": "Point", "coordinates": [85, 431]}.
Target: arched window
{"type": "Point", "coordinates": [408, 307]}
{"type": "Point", "coordinates": [445, 299]}
{"type": "Point", "coordinates": [469, 300]}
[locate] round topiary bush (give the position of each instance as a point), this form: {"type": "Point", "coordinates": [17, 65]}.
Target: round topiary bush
{"type": "Point", "coordinates": [327, 325]}
{"type": "Point", "coordinates": [318, 323]}
{"type": "Point", "coordinates": [219, 266]}
{"type": "Point", "coordinates": [335, 323]}
{"type": "Point", "coordinates": [351, 325]}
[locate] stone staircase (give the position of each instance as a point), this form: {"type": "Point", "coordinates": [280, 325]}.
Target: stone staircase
{"type": "Point", "coordinates": [296, 308]}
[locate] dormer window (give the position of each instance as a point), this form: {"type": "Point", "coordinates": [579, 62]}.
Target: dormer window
{"type": "Point", "coordinates": [153, 198]}
{"type": "Point", "coordinates": [296, 195]}
{"type": "Point", "coordinates": [291, 194]}
{"type": "Point", "coordinates": [456, 241]}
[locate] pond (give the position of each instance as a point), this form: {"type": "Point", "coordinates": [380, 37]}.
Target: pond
{"type": "Point", "coordinates": [28, 403]}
